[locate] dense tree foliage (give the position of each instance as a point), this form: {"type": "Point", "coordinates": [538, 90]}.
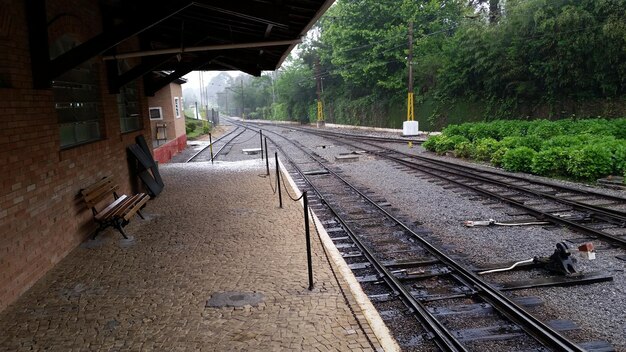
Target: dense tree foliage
{"type": "Point", "coordinates": [498, 58]}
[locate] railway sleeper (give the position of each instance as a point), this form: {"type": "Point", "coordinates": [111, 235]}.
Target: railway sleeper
{"type": "Point", "coordinates": [483, 308]}
{"type": "Point", "coordinates": [506, 331]}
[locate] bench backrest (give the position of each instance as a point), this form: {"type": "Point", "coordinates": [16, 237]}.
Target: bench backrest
{"type": "Point", "coordinates": [98, 191]}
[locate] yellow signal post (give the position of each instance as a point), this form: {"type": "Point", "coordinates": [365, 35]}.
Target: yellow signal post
{"type": "Point", "coordinates": [320, 88]}
{"type": "Point", "coordinates": [410, 112]}
{"type": "Point", "coordinates": [410, 127]}
{"type": "Point", "coordinates": [320, 113]}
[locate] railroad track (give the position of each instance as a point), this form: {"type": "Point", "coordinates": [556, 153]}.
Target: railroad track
{"type": "Point", "coordinates": [429, 299]}
{"type": "Point", "coordinates": [223, 142]}
{"type": "Point", "coordinates": [594, 214]}
{"type": "Point", "coordinates": [395, 140]}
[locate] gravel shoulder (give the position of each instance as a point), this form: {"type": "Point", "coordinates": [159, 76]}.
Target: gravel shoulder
{"type": "Point", "coordinates": [599, 310]}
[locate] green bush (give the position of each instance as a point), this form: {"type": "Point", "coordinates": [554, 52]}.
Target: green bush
{"type": "Point", "coordinates": [457, 130]}
{"type": "Point", "coordinates": [498, 156]}
{"type": "Point", "coordinates": [480, 130]}
{"type": "Point", "coordinates": [569, 147]}
{"type": "Point", "coordinates": [564, 141]}
{"type": "Point", "coordinates": [431, 143]}
{"type": "Point", "coordinates": [619, 128]}
{"type": "Point", "coordinates": [550, 162]}
{"type": "Point", "coordinates": [518, 159]}
{"type": "Point", "coordinates": [544, 129]}
{"type": "Point", "coordinates": [484, 148]}
{"type": "Point", "coordinates": [590, 162]}
{"type": "Point", "coordinates": [190, 127]}
{"type": "Point", "coordinates": [532, 142]}
{"type": "Point", "coordinates": [512, 142]}
{"type": "Point", "coordinates": [464, 149]}
{"type": "Point", "coordinates": [446, 144]}
{"type": "Point", "coordinates": [619, 158]}
{"type": "Point", "coordinates": [507, 128]}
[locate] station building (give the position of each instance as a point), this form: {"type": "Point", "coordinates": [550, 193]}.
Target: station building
{"type": "Point", "coordinates": [75, 77]}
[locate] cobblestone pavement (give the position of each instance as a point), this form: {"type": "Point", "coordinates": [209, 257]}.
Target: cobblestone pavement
{"type": "Point", "coordinates": [213, 229]}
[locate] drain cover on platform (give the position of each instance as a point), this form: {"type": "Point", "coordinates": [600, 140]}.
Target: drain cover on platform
{"type": "Point", "coordinates": [234, 299]}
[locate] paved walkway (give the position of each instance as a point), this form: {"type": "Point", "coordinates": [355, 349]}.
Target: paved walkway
{"type": "Point", "coordinates": [214, 229]}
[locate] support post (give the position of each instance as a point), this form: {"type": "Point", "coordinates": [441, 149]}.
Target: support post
{"type": "Point", "coordinates": [261, 136]}
{"type": "Point", "coordinates": [410, 127]}
{"type": "Point", "coordinates": [243, 104]}
{"type": "Point", "coordinates": [280, 195]}
{"type": "Point", "coordinates": [267, 159]}
{"type": "Point", "coordinates": [318, 79]}
{"type": "Point", "coordinates": [211, 147]}
{"type": "Point", "coordinates": [308, 239]}
{"type": "Point", "coordinates": [38, 42]}
{"type": "Point", "coordinates": [410, 114]}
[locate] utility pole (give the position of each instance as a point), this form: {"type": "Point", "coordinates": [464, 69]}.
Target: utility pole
{"type": "Point", "coordinates": [410, 113]}
{"type": "Point", "coordinates": [198, 116]}
{"type": "Point", "coordinates": [318, 79]}
{"type": "Point", "coordinates": [243, 105]}
{"type": "Point", "coordinates": [410, 126]}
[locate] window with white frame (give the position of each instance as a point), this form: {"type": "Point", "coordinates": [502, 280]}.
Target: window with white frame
{"type": "Point", "coordinates": [177, 107]}
{"type": "Point", "coordinates": [156, 113]}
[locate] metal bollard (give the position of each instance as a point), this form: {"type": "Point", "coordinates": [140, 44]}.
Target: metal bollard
{"type": "Point", "coordinates": [280, 195]}
{"type": "Point", "coordinates": [267, 160]}
{"type": "Point", "coordinates": [211, 147]}
{"type": "Point", "coordinates": [261, 136]}
{"type": "Point", "coordinates": [308, 239]}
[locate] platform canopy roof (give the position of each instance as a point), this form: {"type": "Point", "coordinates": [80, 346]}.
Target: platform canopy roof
{"type": "Point", "coordinates": [183, 36]}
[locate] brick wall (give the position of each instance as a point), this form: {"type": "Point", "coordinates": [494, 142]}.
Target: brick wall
{"type": "Point", "coordinates": [164, 99]}
{"type": "Point", "coordinates": [41, 216]}
{"type": "Point", "coordinates": [165, 152]}
{"type": "Point", "coordinates": [177, 91]}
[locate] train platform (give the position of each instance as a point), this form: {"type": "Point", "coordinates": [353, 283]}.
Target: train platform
{"type": "Point", "coordinates": [215, 266]}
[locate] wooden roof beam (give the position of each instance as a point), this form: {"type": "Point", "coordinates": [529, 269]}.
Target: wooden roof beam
{"type": "Point", "coordinates": [110, 38]}
{"type": "Point", "coordinates": [153, 86]}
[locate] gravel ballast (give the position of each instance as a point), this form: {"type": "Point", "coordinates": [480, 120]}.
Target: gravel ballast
{"type": "Point", "coordinates": [598, 309]}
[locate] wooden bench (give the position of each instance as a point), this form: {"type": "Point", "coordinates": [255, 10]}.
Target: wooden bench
{"type": "Point", "coordinates": [116, 214]}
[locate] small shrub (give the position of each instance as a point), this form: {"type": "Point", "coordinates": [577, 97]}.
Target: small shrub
{"type": "Point", "coordinates": [206, 128]}
{"type": "Point", "coordinates": [448, 143]}
{"type": "Point", "coordinates": [619, 128]}
{"type": "Point", "coordinates": [506, 128]}
{"type": "Point", "coordinates": [518, 159]}
{"type": "Point", "coordinates": [550, 162]}
{"type": "Point", "coordinates": [512, 142]}
{"type": "Point", "coordinates": [544, 129]}
{"type": "Point", "coordinates": [590, 163]}
{"type": "Point", "coordinates": [564, 141]}
{"type": "Point", "coordinates": [456, 130]}
{"type": "Point", "coordinates": [480, 130]}
{"type": "Point", "coordinates": [464, 149]}
{"type": "Point", "coordinates": [533, 142]}
{"type": "Point", "coordinates": [484, 148]}
{"type": "Point", "coordinates": [619, 158]}
{"type": "Point", "coordinates": [431, 143]}
{"type": "Point", "coordinates": [498, 155]}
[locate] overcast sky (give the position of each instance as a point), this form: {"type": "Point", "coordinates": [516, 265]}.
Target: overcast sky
{"type": "Point", "coordinates": [193, 78]}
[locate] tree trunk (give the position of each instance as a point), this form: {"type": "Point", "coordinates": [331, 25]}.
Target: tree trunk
{"type": "Point", "coordinates": [494, 11]}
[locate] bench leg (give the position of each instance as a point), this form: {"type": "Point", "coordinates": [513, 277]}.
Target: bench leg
{"type": "Point", "coordinates": [140, 215]}
{"type": "Point", "coordinates": [118, 226]}
{"type": "Point", "coordinates": [100, 228]}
